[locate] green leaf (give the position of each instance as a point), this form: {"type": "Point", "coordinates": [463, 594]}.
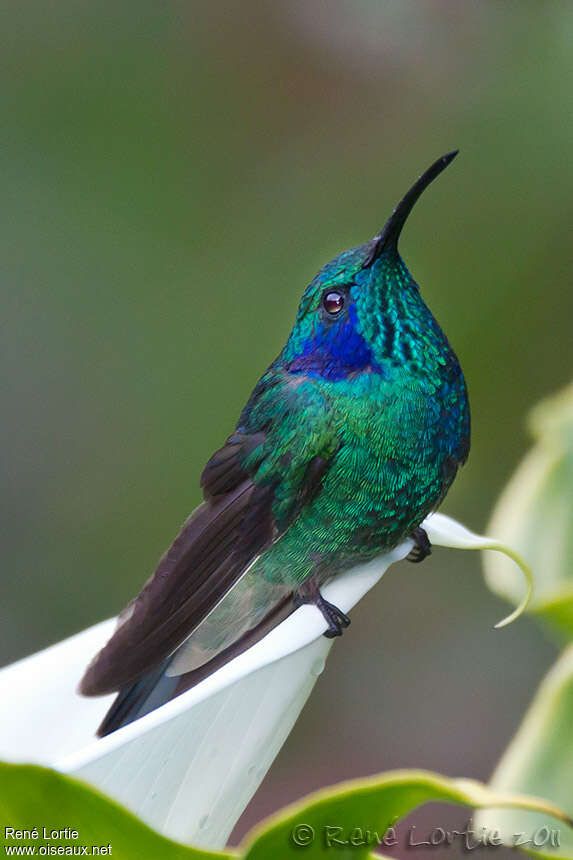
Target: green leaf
{"type": "Point", "coordinates": [534, 515]}
{"type": "Point", "coordinates": [356, 812]}
{"type": "Point", "coordinates": [540, 757]}
{"type": "Point", "coordinates": [34, 797]}
{"type": "Point", "coordinates": [351, 819]}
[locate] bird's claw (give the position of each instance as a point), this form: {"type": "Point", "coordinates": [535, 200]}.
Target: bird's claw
{"type": "Point", "coordinates": [422, 547]}
{"type": "Point", "coordinates": [337, 620]}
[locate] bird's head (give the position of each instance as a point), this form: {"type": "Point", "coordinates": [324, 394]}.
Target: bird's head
{"type": "Point", "coordinates": [360, 313]}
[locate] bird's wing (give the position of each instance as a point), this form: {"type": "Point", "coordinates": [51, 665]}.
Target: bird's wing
{"type": "Point", "coordinates": [253, 491]}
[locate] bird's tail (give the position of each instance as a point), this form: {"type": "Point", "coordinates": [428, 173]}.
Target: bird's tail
{"type": "Point", "coordinates": [169, 679]}
{"type": "Point", "coordinates": [138, 699]}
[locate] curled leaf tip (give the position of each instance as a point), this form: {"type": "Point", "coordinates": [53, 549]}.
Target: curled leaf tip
{"type": "Point", "coordinates": [444, 531]}
{"type": "Point", "coordinates": [527, 573]}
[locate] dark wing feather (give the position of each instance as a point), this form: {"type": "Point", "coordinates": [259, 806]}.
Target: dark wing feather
{"type": "Point", "coordinates": [225, 469]}
{"type": "Point", "coordinates": [279, 612]}
{"type": "Point", "coordinates": [216, 544]}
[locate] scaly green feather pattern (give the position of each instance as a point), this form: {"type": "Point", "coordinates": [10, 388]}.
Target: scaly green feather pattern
{"type": "Point", "coordinates": [394, 431]}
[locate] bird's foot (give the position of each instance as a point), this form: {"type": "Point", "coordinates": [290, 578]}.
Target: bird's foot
{"type": "Point", "coordinates": [309, 592]}
{"type": "Point", "coordinates": [337, 620]}
{"type": "Point", "coordinates": [422, 547]}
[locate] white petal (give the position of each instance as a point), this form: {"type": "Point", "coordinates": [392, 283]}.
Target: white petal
{"type": "Point", "coordinates": [443, 531]}
{"type": "Point", "coordinates": [190, 767]}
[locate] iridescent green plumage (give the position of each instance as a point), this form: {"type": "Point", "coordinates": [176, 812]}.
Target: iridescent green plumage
{"type": "Point", "coordinates": [350, 439]}
{"type": "Point", "coordinates": [393, 436]}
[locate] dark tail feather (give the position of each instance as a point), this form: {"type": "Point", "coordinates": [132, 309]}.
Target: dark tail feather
{"type": "Point", "coordinates": [138, 699]}
{"type": "Point", "coordinates": [156, 688]}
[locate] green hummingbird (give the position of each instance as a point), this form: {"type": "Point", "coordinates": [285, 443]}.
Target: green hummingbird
{"type": "Point", "coordinates": [349, 440]}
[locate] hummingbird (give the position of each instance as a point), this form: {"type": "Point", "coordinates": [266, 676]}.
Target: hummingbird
{"type": "Point", "coordinates": [350, 438]}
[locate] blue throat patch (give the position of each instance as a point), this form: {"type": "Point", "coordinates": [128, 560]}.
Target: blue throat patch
{"type": "Point", "coordinates": [335, 350]}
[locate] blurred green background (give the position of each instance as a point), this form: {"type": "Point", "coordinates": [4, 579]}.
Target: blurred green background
{"type": "Point", "coordinates": [173, 174]}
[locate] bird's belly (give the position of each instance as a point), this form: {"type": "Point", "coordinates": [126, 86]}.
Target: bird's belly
{"type": "Point", "coordinates": [366, 506]}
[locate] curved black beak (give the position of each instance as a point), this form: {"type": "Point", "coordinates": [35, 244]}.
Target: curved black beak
{"type": "Point", "coordinates": [388, 237]}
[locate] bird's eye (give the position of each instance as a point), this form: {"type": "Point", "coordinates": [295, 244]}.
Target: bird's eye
{"type": "Point", "coordinates": [333, 302]}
